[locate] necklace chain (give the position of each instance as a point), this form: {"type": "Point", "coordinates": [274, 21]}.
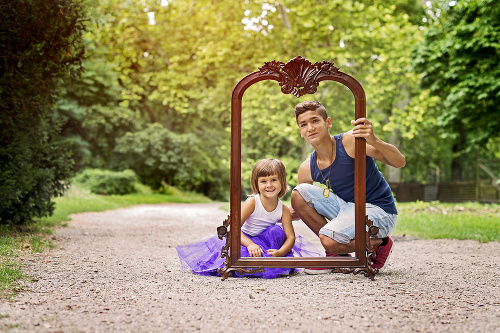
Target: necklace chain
{"type": "Point", "coordinates": [326, 192]}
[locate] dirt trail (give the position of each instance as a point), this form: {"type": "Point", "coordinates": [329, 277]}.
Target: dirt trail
{"type": "Point", "coordinates": [118, 271]}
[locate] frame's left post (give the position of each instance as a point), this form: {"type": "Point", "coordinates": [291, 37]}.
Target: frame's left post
{"type": "Point", "coordinates": [235, 195]}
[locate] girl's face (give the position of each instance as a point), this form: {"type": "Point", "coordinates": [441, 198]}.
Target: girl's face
{"type": "Point", "coordinates": [269, 186]}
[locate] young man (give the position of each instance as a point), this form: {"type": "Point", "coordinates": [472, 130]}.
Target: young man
{"type": "Point", "coordinates": [332, 164]}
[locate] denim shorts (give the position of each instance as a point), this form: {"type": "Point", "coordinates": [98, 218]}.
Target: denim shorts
{"type": "Point", "coordinates": [340, 214]}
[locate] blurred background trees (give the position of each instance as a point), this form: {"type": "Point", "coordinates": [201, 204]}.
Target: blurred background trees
{"type": "Point", "coordinates": [154, 96]}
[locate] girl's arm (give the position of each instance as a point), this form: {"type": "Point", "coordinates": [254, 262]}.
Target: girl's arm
{"type": "Point", "coordinates": [286, 221]}
{"type": "Point", "coordinates": [246, 210]}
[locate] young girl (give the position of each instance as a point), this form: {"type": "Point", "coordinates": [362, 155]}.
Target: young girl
{"type": "Point", "coordinates": [261, 236]}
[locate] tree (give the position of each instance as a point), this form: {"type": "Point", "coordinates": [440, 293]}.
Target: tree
{"type": "Point", "coordinates": [370, 40]}
{"type": "Point", "coordinates": [42, 46]}
{"type": "Point", "coordinates": [103, 125]}
{"type": "Point", "coordinates": [176, 65]}
{"type": "Point", "coordinates": [95, 91]}
{"type": "Point", "coordinates": [459, 60]}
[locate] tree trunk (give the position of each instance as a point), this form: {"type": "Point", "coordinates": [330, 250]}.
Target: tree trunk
{"type": "Point", "coordinates": [458, 151]}
{"type": "Point", "coordinates": [393, 175]}
{"type": "Point", "coordinates": [284, 17]}
{"type": "Point", "coordinates": [150, 113]}
{"type": "Point", "coordinates": [306, 149]}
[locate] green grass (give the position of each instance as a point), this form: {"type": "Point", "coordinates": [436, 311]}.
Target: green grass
{"type": "Point", "coordinates": [79, 200]}
{"type": "Point", "coordinates": [10, 274]}
{"type": "Point", "coordinates": [433, 220]}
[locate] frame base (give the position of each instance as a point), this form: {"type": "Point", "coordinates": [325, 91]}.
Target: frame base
{"type": "Point", "coordinates": [367, 271]}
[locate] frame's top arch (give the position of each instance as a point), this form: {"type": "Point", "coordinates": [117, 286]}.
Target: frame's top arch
{"type": "Point", "coordinates": [299, 77]}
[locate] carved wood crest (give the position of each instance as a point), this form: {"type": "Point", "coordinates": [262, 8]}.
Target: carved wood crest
{"type": "Point", "coordinates": [299, 76]}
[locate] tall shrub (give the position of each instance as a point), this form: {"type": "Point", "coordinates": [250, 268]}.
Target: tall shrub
{"type": "Point", "coordinates": [40, 46]}
{"type": "Point", "coordinates": [108, 182]}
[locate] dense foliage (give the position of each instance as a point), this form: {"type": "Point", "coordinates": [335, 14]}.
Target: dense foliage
{"type": "Point", "coordinates": [162, 157]}
{"type": "Point", "coordinates": [459, 60]}
{"type": "Point", "coordinates": [42, 45]}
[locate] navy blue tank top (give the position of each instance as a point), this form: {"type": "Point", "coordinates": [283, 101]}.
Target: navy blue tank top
{"type": "Point", "coordinates": [341, 173]}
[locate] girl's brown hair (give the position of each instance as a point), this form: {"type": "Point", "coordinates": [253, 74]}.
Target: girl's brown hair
{"type": "Point", "coordinates": [268, 167]}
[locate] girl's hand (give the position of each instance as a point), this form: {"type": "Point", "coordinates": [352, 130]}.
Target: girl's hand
{"type": "Point", "coordinates": [254, 250]}
{"type": "Point", "coordinates": [295, 216]}
{"type": "Point", "coordinates": [274, 253]}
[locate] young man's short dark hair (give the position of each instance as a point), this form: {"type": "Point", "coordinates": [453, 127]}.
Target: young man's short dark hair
{"type": "Point", "coordinates": [305, 106]}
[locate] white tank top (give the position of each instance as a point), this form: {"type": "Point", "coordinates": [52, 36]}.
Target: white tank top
{"type": "Point", "coordinates": [261, 219]}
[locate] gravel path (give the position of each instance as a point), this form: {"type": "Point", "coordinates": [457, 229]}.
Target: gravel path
{"type": "Point", "coordinates": [118, 271]}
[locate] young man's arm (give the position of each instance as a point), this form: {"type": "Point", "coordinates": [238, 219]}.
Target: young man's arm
{"type": "Point", "coordinates": [376, 148]}
{"type": "Point", "coordinates": [304, 174]}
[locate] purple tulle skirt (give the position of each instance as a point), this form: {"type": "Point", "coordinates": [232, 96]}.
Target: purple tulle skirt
{"type": "Point", "coordinates": [203, 257]}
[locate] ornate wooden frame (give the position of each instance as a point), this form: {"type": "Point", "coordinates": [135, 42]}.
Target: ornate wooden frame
{"type": "Point", "coordinates": [297, 77]}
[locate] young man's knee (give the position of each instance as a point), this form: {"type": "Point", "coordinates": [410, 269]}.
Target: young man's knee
{"type": "Point", "coordinates": [296, 199]}
{"type": "Point", "coordinates": [327, 241]}
{"type": "Point", "coordinates": [331, 245]}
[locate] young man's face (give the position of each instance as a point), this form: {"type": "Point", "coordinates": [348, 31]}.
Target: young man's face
{"type": "Point", "coordinates": [312, 126]}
